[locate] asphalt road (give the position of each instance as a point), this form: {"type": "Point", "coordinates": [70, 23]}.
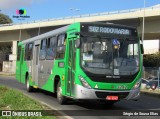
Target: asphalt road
{"type": "Point", "coordinates": [87, 109]}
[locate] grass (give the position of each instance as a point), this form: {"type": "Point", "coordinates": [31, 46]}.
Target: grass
{"type": "Point", "coordinates": [11, 99]}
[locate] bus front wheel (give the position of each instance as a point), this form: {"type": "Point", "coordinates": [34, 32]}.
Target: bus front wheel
{"type": "Point", "coordinates": [29, 88]}
{"type": "Point", "coordinates": [61, 99]}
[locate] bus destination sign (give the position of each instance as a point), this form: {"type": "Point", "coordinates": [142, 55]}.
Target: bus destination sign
{"type": "Point", "coordinates": [108, 30]}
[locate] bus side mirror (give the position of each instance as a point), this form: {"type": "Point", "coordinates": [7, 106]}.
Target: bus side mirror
{"type": "Point", "coordinates": [78, 43]}
{"type": "Point", "coordinates": [142, 49]}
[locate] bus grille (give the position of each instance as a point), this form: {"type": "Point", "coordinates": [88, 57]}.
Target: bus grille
{"type": "Point", "coordinates": [112, 80]}
{"type": "Point", "coordinates": [120, 95]}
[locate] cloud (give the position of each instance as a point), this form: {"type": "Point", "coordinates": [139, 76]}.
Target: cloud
{"type": "Point", "coordinates": [13, 4]}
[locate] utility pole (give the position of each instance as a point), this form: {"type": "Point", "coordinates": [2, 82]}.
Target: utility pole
{"type": "Point", "coordinates": [20, 32]}
{"type": "Point", "coordinates": [74, 10]}
{"type": "Point", "coordinates": [39, 29]}
{"type": "Point", "coordinates": [144, 6]}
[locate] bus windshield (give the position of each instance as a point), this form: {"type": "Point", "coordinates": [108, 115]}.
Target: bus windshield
{"type": "Point", "coordinates": [110, 56]}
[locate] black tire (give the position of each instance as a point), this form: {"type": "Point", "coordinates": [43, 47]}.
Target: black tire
{"type": "Point", "coordinates": [61, 99]}
{"type": "Point", "coordinates": [29, 88]}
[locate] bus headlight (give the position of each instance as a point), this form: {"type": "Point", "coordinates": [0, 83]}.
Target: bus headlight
{"type": "Point", "coordinates": [84, 82]}
{"type": "Point", "coordinates": [137, 85]}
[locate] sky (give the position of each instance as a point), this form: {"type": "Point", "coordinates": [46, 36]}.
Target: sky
{"type": "Point", "coordinates": [50, 9]}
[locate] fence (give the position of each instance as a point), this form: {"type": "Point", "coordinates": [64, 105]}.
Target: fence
{"type": "Point", "coordinates": [150, 72]}
{"type": "Point", "coordinates": [153, 76]}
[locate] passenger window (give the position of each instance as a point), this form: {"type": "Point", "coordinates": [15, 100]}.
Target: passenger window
{"type": "Point", "coordinates": [61, 46]}
{"type": "Point", "coordinates": [43, 49]}
{"type": "Point", "coordinates": [18, 53]}
{"type": "Point", "coordinates": [132, 50]}
{"type": "Point", "coordinates": [51, 48]}
{"type": "Point", "coordinates": [28, 51]}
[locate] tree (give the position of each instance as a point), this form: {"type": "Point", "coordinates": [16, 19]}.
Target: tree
{"type": "Point", "coordinates": [152, 60]}
{"type": "Point", "coordinates": [4, 19]}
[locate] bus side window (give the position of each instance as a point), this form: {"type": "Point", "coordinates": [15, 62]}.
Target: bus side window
{"type": "Point", "coordinates": [18, 53]}
{"type": "Point", "coordinates": [61, 46]}
{"type": "Point", "coordinates": [43, 49]}
{"type": "Point", "coordinates": [28, 51]}
{"type": "Point", "coordinates": [132, 50]}
{"type": "Point", "coordinates": [51, 48]}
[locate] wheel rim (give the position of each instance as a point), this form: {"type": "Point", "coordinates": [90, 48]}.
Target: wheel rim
{"type": "Point", "coordinates": [27, 84]}
{"type": "Point", "coordinates": [59, 94]}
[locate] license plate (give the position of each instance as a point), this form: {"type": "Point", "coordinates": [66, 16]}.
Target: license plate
{"type": "Point", "coordinates": [112, 98]}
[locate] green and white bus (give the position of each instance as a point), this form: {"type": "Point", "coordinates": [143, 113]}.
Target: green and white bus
{"type": "Point", "coordinates": [83, 61]}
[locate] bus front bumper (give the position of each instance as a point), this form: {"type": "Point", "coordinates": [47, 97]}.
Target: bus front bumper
{"type": "Point", "coordinates": [85, 93]}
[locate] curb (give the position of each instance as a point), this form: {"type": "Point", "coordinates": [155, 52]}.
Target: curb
{"type": "Point", "coordinates": [58, 114]}
{"type": "Point", "coordinates": [151, 93]}
{"type": "Point", "coordinates": [7, 74]}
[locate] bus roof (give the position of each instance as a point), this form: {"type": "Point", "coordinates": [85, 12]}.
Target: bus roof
{"type": "Point", "coordinates": [44, 35]}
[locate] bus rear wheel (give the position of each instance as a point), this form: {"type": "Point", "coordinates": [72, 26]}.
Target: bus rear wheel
{"type": "Point", "coordinates": [61, 99]}
{"type": "Point", "coordinates": [29, 88]}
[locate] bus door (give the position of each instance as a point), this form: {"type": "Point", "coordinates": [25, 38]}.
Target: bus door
{"type": "Point", "coordinates": [71, 67]}
{"type": "Point", "coordinates": [35, 64]}
{"type": "Point", "coordinates": [21, 65]}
